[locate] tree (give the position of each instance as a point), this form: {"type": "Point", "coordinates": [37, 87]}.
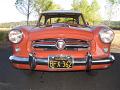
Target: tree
{"type": "Point", "coordinates": [111, 8]}
{"type": "Point", "coordinates": [82, 6]}
{"type": "Point", "coordinates": [112, 1]}
{"type": "Point", "coordinates": [25, 7]}
{"type": "Point", "coordinates": [90, 11]}
{"type": "Point", "coordinates": [94, 12]}
{"type": "Point", "coordinates": [44, 5]}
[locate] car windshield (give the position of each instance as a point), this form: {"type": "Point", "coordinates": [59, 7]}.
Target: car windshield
{"type": "Point", "coordinates": [67, 18]}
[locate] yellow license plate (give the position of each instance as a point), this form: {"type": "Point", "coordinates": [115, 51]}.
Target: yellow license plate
{"type": "Point", "coordinates": [60, 62]}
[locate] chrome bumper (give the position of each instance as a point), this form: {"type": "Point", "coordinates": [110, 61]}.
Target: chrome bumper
{"type": "Point", "coordinates": [77, 61]}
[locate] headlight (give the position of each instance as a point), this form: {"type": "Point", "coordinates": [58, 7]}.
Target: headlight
{"type": "Point", "coordinates": [15, 36]}
{"type": "Point", "coordinates": [106, 35]}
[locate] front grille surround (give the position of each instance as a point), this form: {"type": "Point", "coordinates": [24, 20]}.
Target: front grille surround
{"type": "Point", "coordinates": [71, 44]}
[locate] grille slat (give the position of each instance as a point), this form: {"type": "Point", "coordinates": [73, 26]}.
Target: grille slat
{"type": "Point", "coordinates": [67, 46]}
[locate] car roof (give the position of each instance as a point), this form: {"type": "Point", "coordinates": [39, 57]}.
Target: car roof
{"type": "Point", "coordinates": [61, 12]}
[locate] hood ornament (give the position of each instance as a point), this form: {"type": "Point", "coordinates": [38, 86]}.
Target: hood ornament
{"type": "Point", "coordinates": [60, 44]}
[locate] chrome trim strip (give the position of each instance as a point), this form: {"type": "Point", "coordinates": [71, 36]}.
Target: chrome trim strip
{"type": "Point", "coordinates": [81, 45]}
{"type": "Point", "coordinates": [43, 45]}
{"type": "Point", "coordinates": [19, 59]}
{"type": "Point", "coordinates": [110, 59]}
{"type": "Point", "coordinates": [51, 45]}
{"type": "Point", "coordinates": [15, 58]}
{"type": "Point", "coordinates": [101, 61]}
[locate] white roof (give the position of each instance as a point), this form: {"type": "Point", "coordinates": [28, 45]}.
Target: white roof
{"type": "Point", "coordinates": [61, 11]}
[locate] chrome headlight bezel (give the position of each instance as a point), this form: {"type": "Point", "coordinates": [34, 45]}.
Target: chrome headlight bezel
{"type": "Point", "coordinates": [106, 35]}
{"type": "Point", "coordinates": [15, 36]}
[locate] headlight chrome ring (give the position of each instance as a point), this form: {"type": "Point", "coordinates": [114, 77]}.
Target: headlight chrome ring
{"type": "Point", "coordinates": [15, 36]}
{"type": "Point", "coordinates": [106, 35]}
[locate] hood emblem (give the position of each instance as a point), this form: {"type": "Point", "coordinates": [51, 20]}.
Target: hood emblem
{"type": "Point", "coordinates": [60, 44]}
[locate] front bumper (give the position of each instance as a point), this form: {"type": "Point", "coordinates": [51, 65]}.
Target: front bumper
{"type": "Point", "coordinates": [88, 62]}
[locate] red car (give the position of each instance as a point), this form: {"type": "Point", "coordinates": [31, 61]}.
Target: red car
{"type": "Point", "coordinates": [61, 41]}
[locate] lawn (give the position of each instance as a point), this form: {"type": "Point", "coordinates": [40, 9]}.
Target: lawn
{"type": "Point", "coordinates": [4, 29]}
{"type": "Point", "coordinates": [3, 39]}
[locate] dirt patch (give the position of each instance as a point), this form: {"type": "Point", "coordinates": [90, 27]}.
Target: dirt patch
{"type": "Point", "coordinates": [116, 42]}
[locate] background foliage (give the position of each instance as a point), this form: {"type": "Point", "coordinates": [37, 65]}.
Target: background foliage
{"type": "Point", "coordinates": [45, 5]}
{"type": "Point", "coordinates": [90, 11]}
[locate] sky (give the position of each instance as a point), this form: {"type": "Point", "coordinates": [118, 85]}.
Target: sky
{"type": "Point", "coordinates": [9, 13]}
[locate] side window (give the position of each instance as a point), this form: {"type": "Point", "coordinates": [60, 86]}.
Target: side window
{"type": "Point", "coordinates": [42, 20]}
{"type": "Point", "coordinates": [48, 21]}
{"type": "Point", "coordinates": [81, 21]}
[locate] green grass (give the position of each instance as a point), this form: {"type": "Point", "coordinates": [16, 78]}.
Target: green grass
{"type": "Point", "coordinates": [3, 36]}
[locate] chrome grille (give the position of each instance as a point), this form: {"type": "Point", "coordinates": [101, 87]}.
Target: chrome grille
{"type": "Point", "coordinates": [71, 44]}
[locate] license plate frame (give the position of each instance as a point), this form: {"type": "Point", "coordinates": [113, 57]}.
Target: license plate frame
{"type": "Point", "coordinates": [60, 62]}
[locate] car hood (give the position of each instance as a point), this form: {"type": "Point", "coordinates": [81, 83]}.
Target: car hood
{"type": "Point", "coordinates": [61, 32]}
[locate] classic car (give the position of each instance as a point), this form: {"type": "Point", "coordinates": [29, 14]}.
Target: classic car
{"type": "Point", "coordinates": [61, 41]}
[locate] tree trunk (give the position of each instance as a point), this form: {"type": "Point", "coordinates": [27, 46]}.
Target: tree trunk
{"type": "Point", "coordinates": [28, 13]}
